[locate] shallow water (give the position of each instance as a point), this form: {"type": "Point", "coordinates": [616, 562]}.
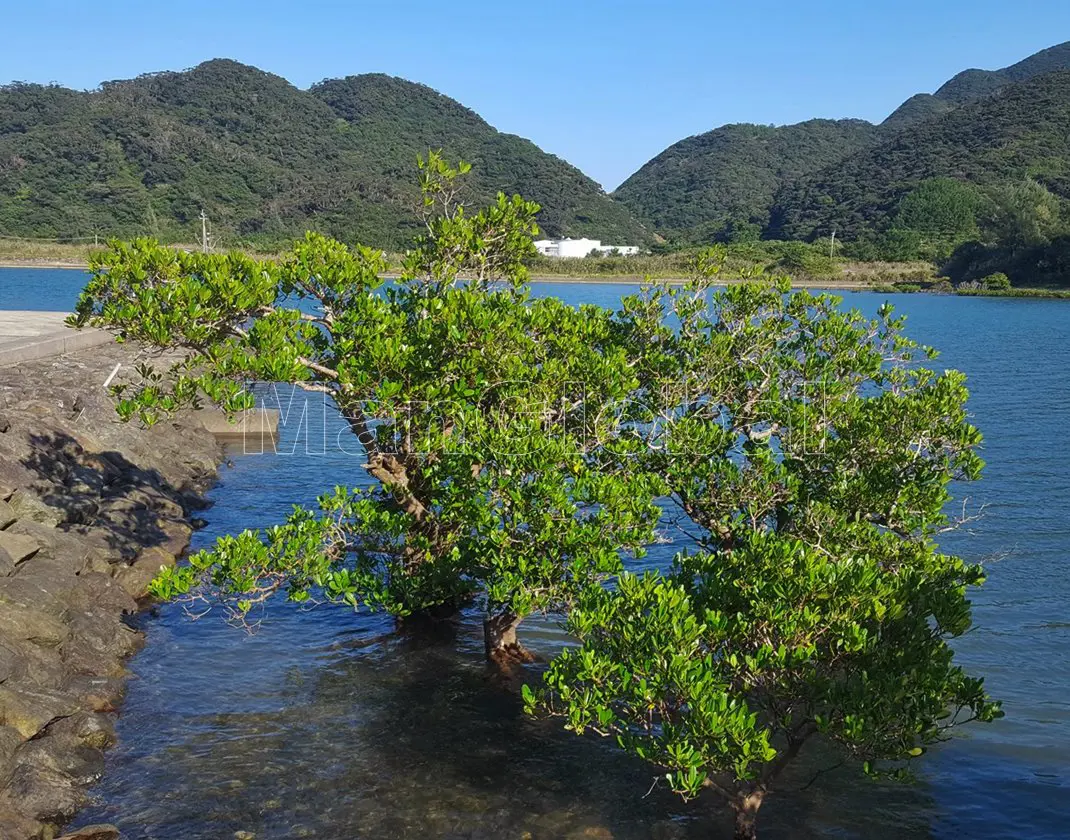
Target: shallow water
{"type": "Point", "coordinates": [326, 724]}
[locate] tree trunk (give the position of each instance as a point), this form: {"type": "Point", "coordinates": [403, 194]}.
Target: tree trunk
{"type": "Point", "coordinates": [499, 636]}
{"type": "Point", "coordinates": [746, 808]}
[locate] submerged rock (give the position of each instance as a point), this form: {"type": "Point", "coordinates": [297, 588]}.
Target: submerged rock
{"type": "Point", "coordinates": [103, 831]}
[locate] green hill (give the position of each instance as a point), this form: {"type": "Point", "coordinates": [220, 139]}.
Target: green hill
{"type": "Point", "coordinates": [1022, 132]}
{"type": "Point", "coordinates": [264, 159]}
{"type": "Point", "coordinates": [970, 85]}
{"type": "Point", "coordinates": [920, 107]}
{"type": "Point", "coordinates": [732, 173]}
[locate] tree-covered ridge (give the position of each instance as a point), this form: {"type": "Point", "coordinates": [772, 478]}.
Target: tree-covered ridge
{"type": "Point", "coordinates": [416, 117]}
{"type": "Point", "coordinates": [719, 184]}
{"type": "Point", "coordinates": [971, 85]}
{"type": "Point", "coordinates": [731, 174]}
{"type": "Point", "coordinates": [265, 160]}
{"type": "Point", "coordinates": [920, 107]}
{"type": "Point", "coordinates": [1020, 133]}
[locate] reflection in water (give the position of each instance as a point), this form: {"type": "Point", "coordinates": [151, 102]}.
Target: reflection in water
{"type": "Point", "coordinates": [325, 724]}
{"type": "Point", "coordinates": [369, 734]}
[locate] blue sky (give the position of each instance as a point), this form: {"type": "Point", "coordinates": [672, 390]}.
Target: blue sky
{"type": "Point", "coordinates": [604, 85]}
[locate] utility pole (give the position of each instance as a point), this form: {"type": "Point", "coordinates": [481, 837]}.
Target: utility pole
{"type": "Point", "coordinates": [832, 246]}
{"type": "Point", "coordinates": [204, 231]}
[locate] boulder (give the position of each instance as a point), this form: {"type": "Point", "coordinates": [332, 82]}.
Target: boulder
{"type": "Point", "coordinates": [15, 824]}
{"type": "Point", "coordinates": [62, 754]}
{"type": "Point", "coordinates": [99, 589]}
{"type": "Point", "coordinates": [21, 622]}
{"type": "Point", "coordinates": [56, 576]}
{"type": "Point", "coordinates": [38, 592]}
{"type": "Point", "coordinates": [98, 643]}
{"type": "Point", "coordinates": [29, 711]}
{"type": "Point", "coordinates": [72, 547]}
{"type": "Point", "coordinates": [7, 514]}
{"type": "Point", "coordinates": [10, 738]}
{"type": "Point", "coordinates": [7, 564]}
{"type": "Point", "coordinates": [100, 465]}
{"type": "Point", "coordinates": [18, 546]}
{"type": "Point", "coordinates": [10, 663]}
{"type": "Point", "coordinates": [13, 471]}
{"type": "Point", "coordinates": [155, 558]}
{"type": "Point", "coordinates": [31, 506]}
{"type": "Point", "coordinates": [46, 795]}
{"type": "Point", "coordinates": [95, 563]}
{"type": "Point", "coordinates": [145, 498]}
{"type": "Point", "coordinates": [176, 534]}
{"type": "Point", "coordinates": [96, 693]}
{"type": "Point", "coordinates": [93, 729]}
{"type": "Point", "coordinates": [86, 480]}
{"type": "Point", "coordinates": [135, 578]}
{"type": "Point", "coordinates": [32, 666]}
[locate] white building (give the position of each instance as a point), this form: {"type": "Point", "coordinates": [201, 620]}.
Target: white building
{"type": "Point", "coordinates": [572, 248]}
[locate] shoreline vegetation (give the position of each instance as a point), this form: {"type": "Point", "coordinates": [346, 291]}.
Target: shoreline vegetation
{"type": "Point", "coordinates": [519, 449]}
{"type": "Point", "coordinates": [835, 274]}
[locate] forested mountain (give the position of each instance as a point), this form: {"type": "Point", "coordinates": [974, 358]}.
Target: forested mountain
{"type": "Point", "coordinates": [970, 85]}
{"type": "Point", "coordinates": [264, 159]}
{"type": "Point", "coordinates": [703, 187]}
{"type": "Point", "coordinates": [730, 175]}
{"type": "Point", "coordinates": [1020, 133]}
{"type": "Point", "coordinates": [973, 84]}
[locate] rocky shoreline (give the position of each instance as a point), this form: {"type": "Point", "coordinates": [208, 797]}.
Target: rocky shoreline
{"type": "Point", "coordinates": [90, 508]}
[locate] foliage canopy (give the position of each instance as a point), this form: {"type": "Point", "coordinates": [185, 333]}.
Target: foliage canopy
{"type": "Point", "coordinates": [811, 455]}
{"type": "Point", "coordinates": [482, 412]}
{"type": "Point", "coordinates": [519, 447]}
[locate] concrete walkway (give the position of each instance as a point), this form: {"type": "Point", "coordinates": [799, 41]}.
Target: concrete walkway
{"type": "Point", "coordinates": [25, 336]}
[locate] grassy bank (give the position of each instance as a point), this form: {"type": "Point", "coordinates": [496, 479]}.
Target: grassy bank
{"type": "Point", "coordinates": [18, 253]}
{"type": "Point", "coordinates": [1015, 293]}
{"type": "Point", "coordinates": [804, 263]}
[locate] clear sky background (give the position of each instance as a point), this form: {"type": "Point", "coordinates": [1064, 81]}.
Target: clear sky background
{"type": "Point", "coordinates": [605, 85]}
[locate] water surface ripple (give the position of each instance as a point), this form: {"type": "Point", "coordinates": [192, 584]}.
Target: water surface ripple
{"type": "Point", "coordinates": [326, 724]}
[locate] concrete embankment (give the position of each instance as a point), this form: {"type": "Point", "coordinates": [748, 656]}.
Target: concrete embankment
{"type": "Point", "coordinates": [25, 336]}
{"type": "Point", "coordinates": [90, 508]}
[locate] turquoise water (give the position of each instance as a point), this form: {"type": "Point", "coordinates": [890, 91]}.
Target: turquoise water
{"type": "Point", "coordinates": [326, 724]}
